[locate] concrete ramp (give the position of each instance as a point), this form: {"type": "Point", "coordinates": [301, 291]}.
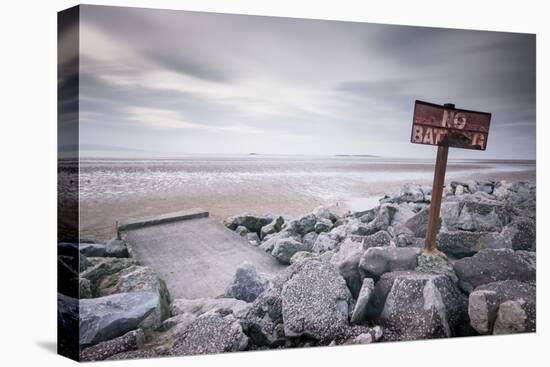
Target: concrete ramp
{"type": "Point", "coordinates": [195, 255]}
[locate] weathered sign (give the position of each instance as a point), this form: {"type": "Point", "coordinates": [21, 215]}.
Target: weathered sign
{"type": "Point", "coordinates": [447, 126]}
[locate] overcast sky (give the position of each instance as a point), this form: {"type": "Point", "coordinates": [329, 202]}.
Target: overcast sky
{"type": "Point", "coordinates": [186, 82]}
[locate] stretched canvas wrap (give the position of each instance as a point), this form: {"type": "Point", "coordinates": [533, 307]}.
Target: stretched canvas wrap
{"type": "Point", "coordinates": [233, 182]}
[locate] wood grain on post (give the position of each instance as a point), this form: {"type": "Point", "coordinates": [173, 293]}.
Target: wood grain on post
{"type": "Point", "coordinates": [437, 194]}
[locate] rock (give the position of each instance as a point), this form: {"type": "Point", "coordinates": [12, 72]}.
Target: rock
{"type": "Point", "coordinates": [489, 266]}
{"type": "Point", "coordinates": [285, 248]}
{"type": "Point", "coordinates": [322, 212]}
{"type": "Point", "coordinates": [199, 306]}
{"type": "Point", "coordinates": [242, 231]}
{"type": "Point", "coordinates": [253, 238]}
{"type": "Point", "coordinates": [138, 278]}
{"type": "Point", "coordinates": [246, 284]}
{"type": "Point", "coordinates": [403, 213]}
{"type": "Point", "coordinates": [132, 340]}
{"type": "Point", "coordinates": [103, 267]}
{"type": "Point", "coordinates": [116, 248]}
{"type": "Point", "coordinates": [459, 244]}
{"type": "Point", "coordinates": [107, 317]}
{"type": "Point", "coordinates": [379, 239]}
{"type": "Point", "coordinates": [67, 326]}
{"type": "Point", "coordinates": [379, 260]}
{"type": "Point", "coordinates": [515, 316]}
{"type": "Point", "coordinates": [347, 262]}
{"type": "Point", "coordinates": [263, 322]}
{"type": "Point", "coordinates": [301, 225]}
{"type": "Point", "coordinates": [418, 223]}
{"type": "Point", "coordinates": [410, 192]}
{"type": "Point", "coordinates": [495, 240]}
{"type": "Point", "coordinates": [323, 225]}
{"type": "Point", "coordinates": [273, 227]}
{"type": "Point", "coordinates": [302, 256]}
{"type": "Point", "coordinates": [315, 302]}
{"type": "Point", "coordinates": [423, 306]}
{"type": "Point", "coordinates": [324, 243]}
{"type": "Point", "coordinates": [85, 290]}
{"type": "Point", "coordinates": [84, 263]}
{"type": "Point", "coordinates": [309, 239]}
{"type": "Point", "coordinates": [92, 249]}
{"type": "Point", "coordinates": [211, 333]}
{"type": "Point", "coordinates": [146, 353]}
{"type": "Point", "coordinates": [518, 303]}
{"type": "Point", "coordinates": [435, 263]}
{"type": "Point", "coordinates": [361, 306]}
{"type": "Point", "coordinates": [365, 338]}
{"type": "Point", "coordinates": [382, 220]}
{"type": "Point", "coordinates": [373, 334]}
{"type": "Point", "coordinates": [474, 213]}
{"type": "Point", "coordinates": [381, 290]}
{"type": "Point", "coordinates": [338, 234]}
{"type": "Point", "coordinates": [68, 279]}
{"type": "Point", "coordinates": [251, 222]}
{"type": "Point", "coordinates": [408, 240]}
{"type": "Point", "coordinates": [522, 234]}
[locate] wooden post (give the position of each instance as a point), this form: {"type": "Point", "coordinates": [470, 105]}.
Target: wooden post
{"type": "Point", "coordinates": [437, 194]}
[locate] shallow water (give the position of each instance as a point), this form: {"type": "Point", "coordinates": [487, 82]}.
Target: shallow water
{"type": "Point", "coordinates": [118, 189]}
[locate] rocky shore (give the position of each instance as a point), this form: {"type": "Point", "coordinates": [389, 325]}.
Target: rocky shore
{"type": "Point", "coordinates": [352, 279]}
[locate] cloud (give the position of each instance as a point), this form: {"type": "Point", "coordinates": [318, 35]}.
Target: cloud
{"type": "Point", "coordinates": [215, 83]}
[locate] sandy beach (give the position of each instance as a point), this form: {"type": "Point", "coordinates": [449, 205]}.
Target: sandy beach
{"type": "Point", "coordinates": [118, 189]}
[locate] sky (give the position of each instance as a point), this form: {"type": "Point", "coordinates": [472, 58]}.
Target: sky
{"type": "Point", "coordinates": [175, 82]}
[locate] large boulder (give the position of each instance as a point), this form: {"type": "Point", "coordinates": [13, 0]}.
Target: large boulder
{"type": "Point", "coordinates": [503, 307]}
{"type": "Point", "coordinates": [379, 260]}
{"type": "Point", "coordinates": [316, 302]}
{"type": "Point", "coordinates": [459, 243]}
{"type": "Point", "coordinates": [246, 284]}
{"type": "Point", "coordinates": [490, 265]}
{"type": "Point", "coordinates": [130, 341]}
{"type": "Point", "coordinates": [474, 213]}
{"type": "Point", "coordinates": [107, 317]}
{"type": "Point", "coordinates": [210, 333]}
{"type": "Point", "coordinates": [252, 222]}
{"type": "Point", "coordinates": [138, 278]}
{"type": "Point", "coordinates": [423, 306]}
{"type": "Point", "coordinates": [100, 268]}
{"type": "Point", "coordinates": [346, 260]}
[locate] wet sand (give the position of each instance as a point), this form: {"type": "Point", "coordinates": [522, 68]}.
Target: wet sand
{"type": "Point", "coordinates": [115, 190]}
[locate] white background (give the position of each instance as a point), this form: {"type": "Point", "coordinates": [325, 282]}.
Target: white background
{"type": "Point", "coordinates": [28, 181]}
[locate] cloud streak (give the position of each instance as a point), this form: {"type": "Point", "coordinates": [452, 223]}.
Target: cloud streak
{"type": "Point", "coordinates": [188, 82]}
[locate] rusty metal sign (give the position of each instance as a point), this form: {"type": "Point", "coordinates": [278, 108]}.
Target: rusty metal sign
{"type": "Point", "coordinates": [448, 126]}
